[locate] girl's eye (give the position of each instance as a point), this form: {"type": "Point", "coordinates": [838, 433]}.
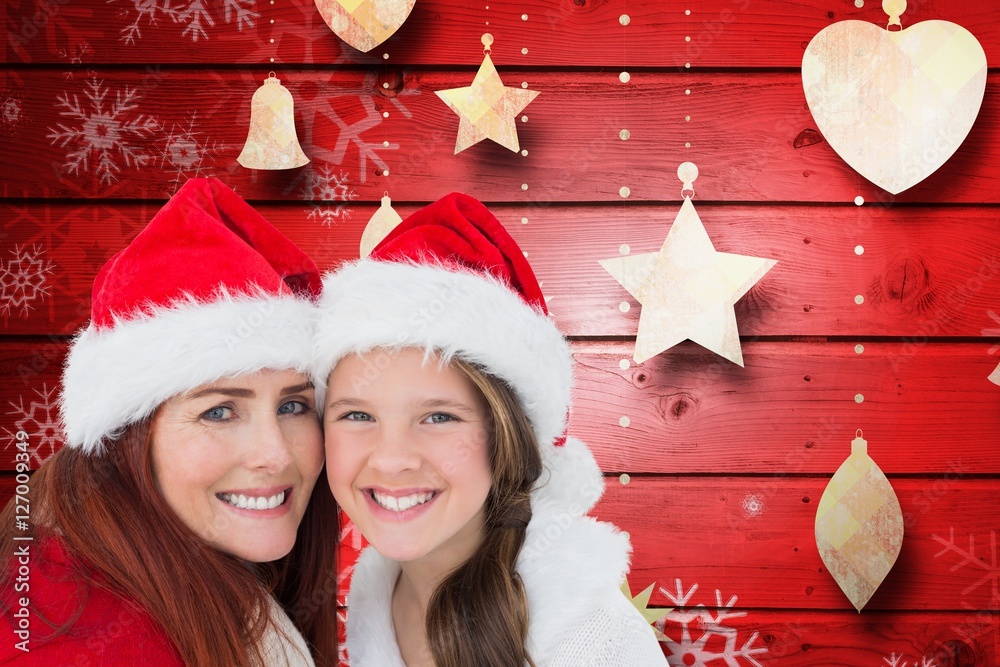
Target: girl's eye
{"type": "Point", "coordinates": [356, 416]}
{"type": "Point", "coordinates": [439, 418]}
{"type": "Point", "coordinates": [218, 413]}
{"type": "Point", "coordinates": [292, 408]}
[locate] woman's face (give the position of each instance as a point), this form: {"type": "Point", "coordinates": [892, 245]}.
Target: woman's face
{"type": "Point", "coordinates": [407, 446]}
{"type": "Point", "coordinates": [237, 460]}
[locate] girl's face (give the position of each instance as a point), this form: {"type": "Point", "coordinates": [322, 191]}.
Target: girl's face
{"type": "Point", "coordinates": [407, 447]}
{"type": "Point", "coordinates": [237, 459]}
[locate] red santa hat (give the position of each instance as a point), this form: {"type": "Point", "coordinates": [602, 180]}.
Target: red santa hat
{"type": "Point", "coordinates": [450, 279]}
{"type": "Point", "coordinates": [208, 289]}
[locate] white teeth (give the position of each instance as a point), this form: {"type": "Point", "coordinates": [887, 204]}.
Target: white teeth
{"type": "Point", "coordinates": [394, 504]}
{"type": "Point", "coordinates": [254, 502]}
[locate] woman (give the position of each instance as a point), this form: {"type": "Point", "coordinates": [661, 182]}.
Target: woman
{"type": "Point", "coordinates": [447, 389]}
{"type": "Point", "coordinates": [158, 532]}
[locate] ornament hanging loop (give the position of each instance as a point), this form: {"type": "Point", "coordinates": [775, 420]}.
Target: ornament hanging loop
{"type": "Point", "coordinates": [487, 40]}
{"type": "Point", "coordinates": [688, 173]}
{"type": "Point", "coordinates": [894, 8]}
{"type": "Point", "coordinates": [859, 445]}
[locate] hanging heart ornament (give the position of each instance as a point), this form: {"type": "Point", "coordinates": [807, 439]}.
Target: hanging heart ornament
{"type": "Point", "coordinates": [364, 24]}
{"type": "Point", "coordinates": [894, 104]}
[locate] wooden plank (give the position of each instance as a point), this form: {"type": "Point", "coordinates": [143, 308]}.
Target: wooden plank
{"type": "Point", "coordinates": [928, 409]}
{"type": "Point", "coordinates": [723, 33]}
{"type": "Point", "coordinates": [931, 271]}
{"type": "Point", "coordinates": [750, 134]}
{"type": "Point", "coordinates": [754, 536]}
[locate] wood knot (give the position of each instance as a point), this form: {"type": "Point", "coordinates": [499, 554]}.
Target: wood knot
{"type": "Point", "coordinates": [640, 378]}
{"type": "Point", "coordinates": [905, 279]}
{"type": "Point", "coordinates": [390, 83]}
{"type": "Point", "coordinates": [677, 407]}
{"type": "Point", "coordinates": [807, 137]}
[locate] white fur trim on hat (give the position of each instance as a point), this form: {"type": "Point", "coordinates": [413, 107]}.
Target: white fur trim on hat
{"type": "Point", "coordinates": [374, 304]}
{"type": "Point", "coordinates": [115, 377]}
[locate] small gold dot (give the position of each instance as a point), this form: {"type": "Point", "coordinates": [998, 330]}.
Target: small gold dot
{"type": "Point", "coordinates": [524, 186]}
{"type": "Point", "coordinates": [624, 191]}
{"type": "Point", "coordinates": [624, 478]}
{"type": "Point", "coordinates": [624, 421]}
{"type": "Point", "coordinates": [524, 51]}
{"type": "Point", "coordinates": [385, 85]}
{"type": "Point", "coordinates": [385, 144]}
{"type": "Point", "coordinates": [524, 17]}
{"type": "Point", "coordinates": [687, 144]}
{"type": "Point", "coordinates": [859, 200]}
{"type": "Point", "coordinates": [624, 19]}
{"type": "Point", "coordinates": [624, 135]}
{"type": "Point", "coordinates": [385, 56]}
{"type": "Point", "coordinates": [385, 114]}
{"type": "Point", "coordinates": [859, 3]}
{"type": "Point", "coordinates": [524, 119]}
{"type": "Point", "coordinates": [687, 65]}
{"type": "Point", "coordinates": [624, 306]}
{"type": "Point", "coordinates": [272, 40]}
{"type": "Point", "coordinates": [687, 118]}
{"type": "Point", "coordinates": [687, 92]}
{"type": "Point", "coordinates": [524, 84]}
{"type": "Point", "coordinates": [687, 12]}
{"type": "Point", "coordinates": [524, 152]}
{"type": "Point", "coordinates": [524, 221]}
{"type": "Point", "coordinates": [624, 249]}
{"type": "Point", "coordinates": [524, 252]}
{"type": "Point", "coordinates": [624, 77]}
{"type": "Point", "coordinates": [859, 398]}
{"type": "Point", "coordinates": [859, 348]}
{"type": "Point", "coordinates": [687, 38]}
{"type": "Point", "coordinates": [859, 299]}
{"type": "Point", "coordinates": [272, 60]}
{"type": "Point", "coordinates": [624, 364]}
{"type": "Point", "coordinates": [385, 172]}
{"type": "Point", "coordinates": [859, 250]}
{"type": "Point", "coordinates": [272, 20]}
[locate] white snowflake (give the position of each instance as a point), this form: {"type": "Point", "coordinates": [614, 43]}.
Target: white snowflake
{"type": "Point", "coordinates": [11, 112]}
{"type": "Point", "coordinates": [195, 17]}
{"type": "Point", "coordinates": [185, 153]}
{"type": "Point", "coordinates": [23, 280]}
{"type": "Point", "coordinates": [988, 564]}
{"type": "Point", "coordinates": [39, 419]}
{"type": "Point", "coordinates": [898, 661]}
{"type": "Point", "coordinates": [699, 627]}
{"type": "Point", "coordinates": [350, 134]}
{"type": "Point", "coordinates": [993, 333]}
{"type": "Point", "coordinates": [328, 184]}
{"type": "Point", "coordinates": [106, 131]}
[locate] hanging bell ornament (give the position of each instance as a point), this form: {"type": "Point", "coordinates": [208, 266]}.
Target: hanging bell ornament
{"type": "Point", "coordinates": [382, 222]}
{"type": "Point", "coordinates": [271, 142]}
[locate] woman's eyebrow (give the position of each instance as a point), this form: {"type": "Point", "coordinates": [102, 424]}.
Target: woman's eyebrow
{"type": "Point", "coordinates": [234, 392]}
{"type": "Point", "coordinates": [295, 389]}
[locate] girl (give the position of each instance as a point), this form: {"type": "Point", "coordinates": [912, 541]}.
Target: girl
{"type": "Point", "coordinates": [447, 388]}
{"type": "Point", "coordinates": [192, 451]}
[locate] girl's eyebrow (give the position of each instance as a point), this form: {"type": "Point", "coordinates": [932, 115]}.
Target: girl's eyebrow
{"type": "Point", "coordinates": [432, 403]}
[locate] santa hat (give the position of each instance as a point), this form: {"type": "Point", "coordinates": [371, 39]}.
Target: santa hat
{"type": "Point", "coordinates": [450, 279]}
{"type": "Point", "coordinates": [208, 289]}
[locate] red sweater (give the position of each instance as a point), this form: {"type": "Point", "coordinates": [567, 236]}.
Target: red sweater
{"type": "Point", "coordinates": [108, 631]}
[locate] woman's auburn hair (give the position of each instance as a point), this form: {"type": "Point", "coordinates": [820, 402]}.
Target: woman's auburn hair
{"type": "Point", "coordinates": [110, 515]}
{"type": "Point", "coordinates": [478, 615]}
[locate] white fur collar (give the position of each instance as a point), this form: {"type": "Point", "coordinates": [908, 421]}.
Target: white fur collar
{"type": "Point", "coordinates": [570, 564]}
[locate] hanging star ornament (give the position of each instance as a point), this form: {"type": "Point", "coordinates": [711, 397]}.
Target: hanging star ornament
{"type": "Point", "coordinates": [641, 603]}
{"type": "Point", "coordinates": [687, 289]}
{"type": "Point", "coordinates": [487, 109]}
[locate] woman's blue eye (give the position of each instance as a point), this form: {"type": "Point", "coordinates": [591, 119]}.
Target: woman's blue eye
{"type": "Point", "coordinates": [440, 418]}
{"type": "Point", "coordinates": [292, 408]}
{"type": "Point", "coordinates": [218, 413]}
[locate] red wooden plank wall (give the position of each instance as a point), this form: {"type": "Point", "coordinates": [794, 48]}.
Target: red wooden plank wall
{"type": "Point", "coordinates": [719, 470]}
